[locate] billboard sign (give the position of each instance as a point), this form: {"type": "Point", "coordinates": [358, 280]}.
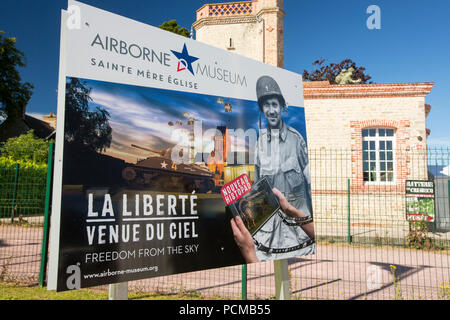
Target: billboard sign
{"type": "Point", "coordinates": [151, 127]}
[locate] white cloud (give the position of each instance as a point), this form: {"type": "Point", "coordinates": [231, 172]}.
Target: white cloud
{"type": "Point", "coordinates": [438, 141]}
{"type": "Point", "coordinates": [446, 170]}
{"type": "Point", "coordinates": [36, 115]}
{"type": "Point", "coordinates": [118, 105]}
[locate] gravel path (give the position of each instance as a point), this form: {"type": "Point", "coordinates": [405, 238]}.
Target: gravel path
{"type": "Point", "coordinates": [335, 272]}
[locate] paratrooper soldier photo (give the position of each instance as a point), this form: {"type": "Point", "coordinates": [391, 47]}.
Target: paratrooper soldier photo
{"type": "Point", "coordinates": [281, 156]}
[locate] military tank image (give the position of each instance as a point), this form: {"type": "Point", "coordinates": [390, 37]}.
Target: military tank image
{"type": "Point", "coordinates": [160, 173]}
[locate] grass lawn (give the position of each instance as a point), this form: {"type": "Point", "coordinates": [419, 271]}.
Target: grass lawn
{"type": "Point", "coordinates": [14, 292]}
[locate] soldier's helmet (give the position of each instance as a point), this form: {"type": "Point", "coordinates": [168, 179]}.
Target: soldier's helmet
{"type": "Point", "coordinates": [267, 87]}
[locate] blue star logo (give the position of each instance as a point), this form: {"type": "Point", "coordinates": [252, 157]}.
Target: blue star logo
{"type": "Point", "coordinates": [184, 60]}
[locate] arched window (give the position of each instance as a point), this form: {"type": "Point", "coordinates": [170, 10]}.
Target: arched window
{"type": "Point", "coordinates": [378, 155]}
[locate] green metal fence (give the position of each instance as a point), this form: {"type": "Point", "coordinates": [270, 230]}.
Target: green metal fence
{"type": "Point", "coordinates": [366, 249]}
{"type": "Point", "coordinates": [22, 188]}
{"type": "Point", "coordinates": [24, 199]}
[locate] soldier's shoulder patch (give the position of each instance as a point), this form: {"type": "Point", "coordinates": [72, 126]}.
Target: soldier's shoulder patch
{"type": "Point", "coordinates": [298, 135]}
{"type": "Point", "coordinates": [294, 131]}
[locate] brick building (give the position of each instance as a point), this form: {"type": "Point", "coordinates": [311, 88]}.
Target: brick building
{"type": "Point", "coordinates": [253, 29]}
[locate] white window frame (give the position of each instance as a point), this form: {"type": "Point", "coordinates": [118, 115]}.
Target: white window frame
{"type": "Point", "coordinates": [377, 139]}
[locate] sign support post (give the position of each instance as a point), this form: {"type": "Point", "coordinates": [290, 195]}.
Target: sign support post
{"type": "Point", "coordinates": [244, 282]}
{"type": "Point", "coordinates": [349, 235]}
{"type": "Point", "coordinates": [282, 289]}
{"type": "Point", "coordinates": [44, 248]}
{"type": "Point", "coordinates": [118, 291]}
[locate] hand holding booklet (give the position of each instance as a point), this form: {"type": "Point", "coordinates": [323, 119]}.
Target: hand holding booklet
{"type": "Point", "coordinates": [257, 206]}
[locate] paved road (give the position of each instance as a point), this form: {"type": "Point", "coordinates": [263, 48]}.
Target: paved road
{"type": "Point", "coordinates": [20, 252]}
{"type": "Point", "coordinates": [334, 272]}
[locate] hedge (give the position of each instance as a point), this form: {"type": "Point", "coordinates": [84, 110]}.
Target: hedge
{"type": "Point", "coordinates": [30, 187]}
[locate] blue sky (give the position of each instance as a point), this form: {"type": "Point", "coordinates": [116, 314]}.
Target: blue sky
{"type": "Point", "coordinates": [411, 46]}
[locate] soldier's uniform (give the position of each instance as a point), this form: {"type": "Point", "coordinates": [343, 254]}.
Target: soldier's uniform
{"type": "Point", "coordinates": [280, 238]}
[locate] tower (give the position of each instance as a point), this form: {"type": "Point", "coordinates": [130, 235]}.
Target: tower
{"type": "Point", "coordinates": [251, 28]}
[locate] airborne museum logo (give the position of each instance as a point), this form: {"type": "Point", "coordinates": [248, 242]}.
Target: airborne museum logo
{"type": "Point", "coordinates": [185, 60]}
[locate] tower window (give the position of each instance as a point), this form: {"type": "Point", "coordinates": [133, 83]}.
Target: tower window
{"type": "Point", "coordinates": [231, 44]}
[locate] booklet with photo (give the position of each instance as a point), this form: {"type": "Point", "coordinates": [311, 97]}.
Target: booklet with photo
{"type": "Point", "coordinates": [257, 206]}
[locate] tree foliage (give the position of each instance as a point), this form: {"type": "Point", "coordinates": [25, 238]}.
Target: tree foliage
{"type": "Point", "coordinates": [173, 26]}
{"type": "Point", "coordinates": [84, 129]}
{"type": "Point", "coordinates": [329, 72]}
{"type": "Point", "coordinates": [14, 95]}
{"type": "Point", "coordinates": [26, 147]}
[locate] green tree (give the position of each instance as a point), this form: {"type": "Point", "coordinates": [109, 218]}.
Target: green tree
{"type": "Point", "coordinates": [14, 95]}
{"type": "Point", "coordinates": [84, 129]}
{"type": "Point", "coordinates": [329, 72]}
{"type": "Point", "coordinates": [173, 26]}
{"type": "Point", "coordinates": [26, 147]}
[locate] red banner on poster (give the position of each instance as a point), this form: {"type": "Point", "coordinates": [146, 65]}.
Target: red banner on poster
{"type": "Point", "coordinates": [236, 189]}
